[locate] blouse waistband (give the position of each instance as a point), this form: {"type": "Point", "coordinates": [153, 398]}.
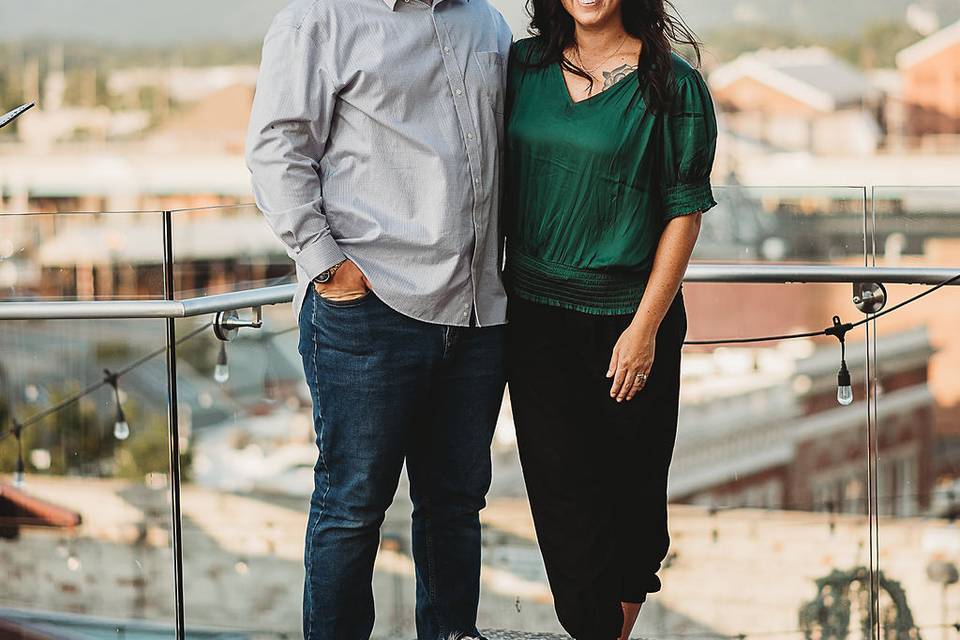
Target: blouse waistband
{"type": "Point", "coordinates": [590, 291]}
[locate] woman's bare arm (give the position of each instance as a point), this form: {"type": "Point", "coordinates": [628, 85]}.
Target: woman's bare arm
{"type": "Point", "coordinates": [635, 350]}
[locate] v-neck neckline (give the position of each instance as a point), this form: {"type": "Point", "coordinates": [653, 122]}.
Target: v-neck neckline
{"type": "Point", "coordinates": [575, 103]}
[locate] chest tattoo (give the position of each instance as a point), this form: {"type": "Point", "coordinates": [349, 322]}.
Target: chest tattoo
{"type": "Point", "coordinates": [614, 76]}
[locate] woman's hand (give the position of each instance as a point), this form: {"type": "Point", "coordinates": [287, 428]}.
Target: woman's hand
{"type": "Point", "coordinates": [347, 284]}
{"type": "Point", "coordinates": [631, 362]}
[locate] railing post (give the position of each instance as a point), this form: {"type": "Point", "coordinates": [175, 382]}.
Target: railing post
{"type": "Point", "coordinates": [173, 423]}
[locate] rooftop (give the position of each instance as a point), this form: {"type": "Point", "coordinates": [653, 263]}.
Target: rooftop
{"type": "Point", "coordinates": [813, 76]}
{"type": "Point", "coordinates": [929, 46]}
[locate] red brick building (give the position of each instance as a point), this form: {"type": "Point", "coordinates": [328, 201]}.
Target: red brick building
{"type": "Point", "coordinates": [931, 83]}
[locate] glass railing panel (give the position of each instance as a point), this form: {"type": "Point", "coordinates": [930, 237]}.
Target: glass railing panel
{"type": "Point", "coordinates": [247, 469]}
{"type": "Point", "coordinates": [81, 256]}
{"type": "Point", "coordinates": [87, 537]}
{"type": "Point", "coordinates": [85, 540]}
{"type": "Point", "coordinates": [782, 225]}
{"type": "Point", "coordinates": [768, 484]}
{"type": "Point", "coordinates": [223, 249]}
{"type": "Point", "coordinates": [918, 410]}
{"type": "Point", "coordinates": [247, 461]}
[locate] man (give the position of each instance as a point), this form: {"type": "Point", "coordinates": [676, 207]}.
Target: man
{"type": "Point", "coordinates": [374, 146]}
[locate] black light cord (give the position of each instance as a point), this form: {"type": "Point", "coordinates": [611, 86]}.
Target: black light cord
{"type": "Point", "coordinates": [839, 330]}
{"type": "Point", "coordinates": [111, 377]}
{"type": "Point", "coordinates": [834, 330]}
{"type": "Point", "coordinates": [775, 338]}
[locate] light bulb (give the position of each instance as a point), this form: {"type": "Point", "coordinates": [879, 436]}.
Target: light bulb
{"type": "Point", "coordinates": [121, 430]}
{"type": "Point", "coordinates": [845, 395]}
{"type": "Point", "coordinates": [221, 372]}
{"type": "Point", "coordinates": [844, 386]}
{"type": "Point", "coordinates": [18, 471]}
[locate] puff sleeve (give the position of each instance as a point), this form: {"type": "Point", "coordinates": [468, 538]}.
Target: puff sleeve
{"type": "Point", "coordinates": [690, 146]}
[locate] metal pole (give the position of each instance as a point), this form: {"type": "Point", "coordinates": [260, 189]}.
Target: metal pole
{"type": "Point", "coordinates": [873, 591]}
{"type": "Point", "coordinates": [176, 538]}
{"type": "Point", "coordinates": [279, 294]}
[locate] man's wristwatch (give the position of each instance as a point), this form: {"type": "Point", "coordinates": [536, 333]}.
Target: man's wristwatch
{"type": "Point", "coordinates": [327, 275]}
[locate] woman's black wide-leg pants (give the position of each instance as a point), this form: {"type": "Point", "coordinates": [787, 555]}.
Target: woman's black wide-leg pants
{"type": "Point", "coordinates": [595, 470]}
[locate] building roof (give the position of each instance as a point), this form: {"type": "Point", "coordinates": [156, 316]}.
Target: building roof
{"type": "Point", "coordinates": [122, 170]}
{"type": "Point", "coordinates": [139, 243]}
{"type": "Point", "coordinates": [23, 509]}
{"type": "Point", "coordinates": [929, 46]}
{"type": "Point", "coordinates": [813, 76]}
{"type": "Point", "coordinates": [219, 120]}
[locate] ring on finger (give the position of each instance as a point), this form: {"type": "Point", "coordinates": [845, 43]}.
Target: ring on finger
{"type": "Point", "coordinates": [640, 379]}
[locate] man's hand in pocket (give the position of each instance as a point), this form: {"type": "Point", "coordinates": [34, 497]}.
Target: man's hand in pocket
{"type": "Point", "coordinates": [347, 284]}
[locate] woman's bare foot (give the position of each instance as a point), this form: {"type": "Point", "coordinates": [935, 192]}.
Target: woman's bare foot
{"type": "Point", "coordinates": [630, 612]}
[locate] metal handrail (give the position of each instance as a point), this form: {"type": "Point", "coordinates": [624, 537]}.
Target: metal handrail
{"type": "Point", "coordinates": [265, 296]}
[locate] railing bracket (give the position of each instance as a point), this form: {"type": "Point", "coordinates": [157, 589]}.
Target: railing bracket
{"type": "Point", "coordinates": [227, 324]}
{"type": "Point", "coordinates": [869, 297]}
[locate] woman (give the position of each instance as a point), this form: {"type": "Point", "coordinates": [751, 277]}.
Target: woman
{"type": "Point", "coordinates": [611, 140]}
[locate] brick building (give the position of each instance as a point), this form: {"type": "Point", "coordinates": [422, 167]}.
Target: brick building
{"type": "Point", "coordinates": [761, 428]}
{"type": "Point", "coordinates": [931, 83]}
{"type": "Point", "coordinates": [798, 100]}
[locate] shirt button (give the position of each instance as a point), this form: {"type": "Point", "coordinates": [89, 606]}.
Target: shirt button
{"type": "Point", "coordinates": [446, 49]}
{"type": "Point", "coordinates": [459, 92]}
{"type": "Point", "coordinates": [469, 136]}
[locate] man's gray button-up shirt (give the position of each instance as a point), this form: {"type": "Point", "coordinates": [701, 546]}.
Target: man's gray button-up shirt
{"type": "Point", "coordinates": [377, 135]}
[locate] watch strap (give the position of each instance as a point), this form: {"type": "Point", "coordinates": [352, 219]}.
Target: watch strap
{"type": "Point", "coordinates": [327, 275]}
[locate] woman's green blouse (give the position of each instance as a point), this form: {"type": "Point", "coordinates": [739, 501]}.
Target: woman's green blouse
{"type": "Point", "coordinates": [590, 185]}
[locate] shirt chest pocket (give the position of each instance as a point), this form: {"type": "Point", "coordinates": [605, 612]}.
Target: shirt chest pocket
{"type": "Point", "coordinates": [493, 77]}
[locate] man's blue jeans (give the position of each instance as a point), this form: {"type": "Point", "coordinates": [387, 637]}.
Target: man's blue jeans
{"type": "Point", "coordinates": [387, 389]}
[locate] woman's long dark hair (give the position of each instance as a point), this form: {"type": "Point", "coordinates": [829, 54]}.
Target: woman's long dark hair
{"type": "Point", "coordinates": [650, 21]}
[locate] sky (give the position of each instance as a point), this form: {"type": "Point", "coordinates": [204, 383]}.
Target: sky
{"type": "Point", "coordinates": [179, 21]}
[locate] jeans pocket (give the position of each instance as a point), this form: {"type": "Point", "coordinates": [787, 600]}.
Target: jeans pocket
{"type": "Point", "coordinates": [345, 304]}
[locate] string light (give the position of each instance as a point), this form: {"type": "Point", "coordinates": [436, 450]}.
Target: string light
{"type": "Point", "coordinates": [121, 429]}
{"type": "Point", "coordinates": [221, 372]}
{"type": "Point", "coordinates": [844, 385]}
{"type": "Point", "coordinates": [18, 474]}
{"type": "Point", "coordinates": [41, 415]}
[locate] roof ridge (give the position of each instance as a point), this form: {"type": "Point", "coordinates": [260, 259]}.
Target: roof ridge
{"type": "Point", "coordinates": [929, 46]}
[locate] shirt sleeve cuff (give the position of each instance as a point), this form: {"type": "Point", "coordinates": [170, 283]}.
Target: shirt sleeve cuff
{"type": "Point", "coordinates": [319, 256]}
{"type": "Point", "coordinates": [686, 199]}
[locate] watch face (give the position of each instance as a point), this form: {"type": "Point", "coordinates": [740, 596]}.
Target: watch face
{"type": "Point", "coordinates": [323, 278]}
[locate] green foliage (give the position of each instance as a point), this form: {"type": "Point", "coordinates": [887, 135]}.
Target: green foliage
{"type": "Point", "coordinates": [80, 440]}
{"type": "Point", "coordinates": [147, 450]}
{"type": "Point", "coordinates": [112, 350]}
{"type": "Point", "coordinates": [728, 43]}
{"type": "Point", "coordinates": [75, 436]}
{"type": "Point", "coordinates": [878, 45]}
{"type": "Point", "coordinates": [200, 351]}
{"type": "Point", "coordinates": [828, 615]}
{"type": "Point", "coordinates": [875, 47]}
